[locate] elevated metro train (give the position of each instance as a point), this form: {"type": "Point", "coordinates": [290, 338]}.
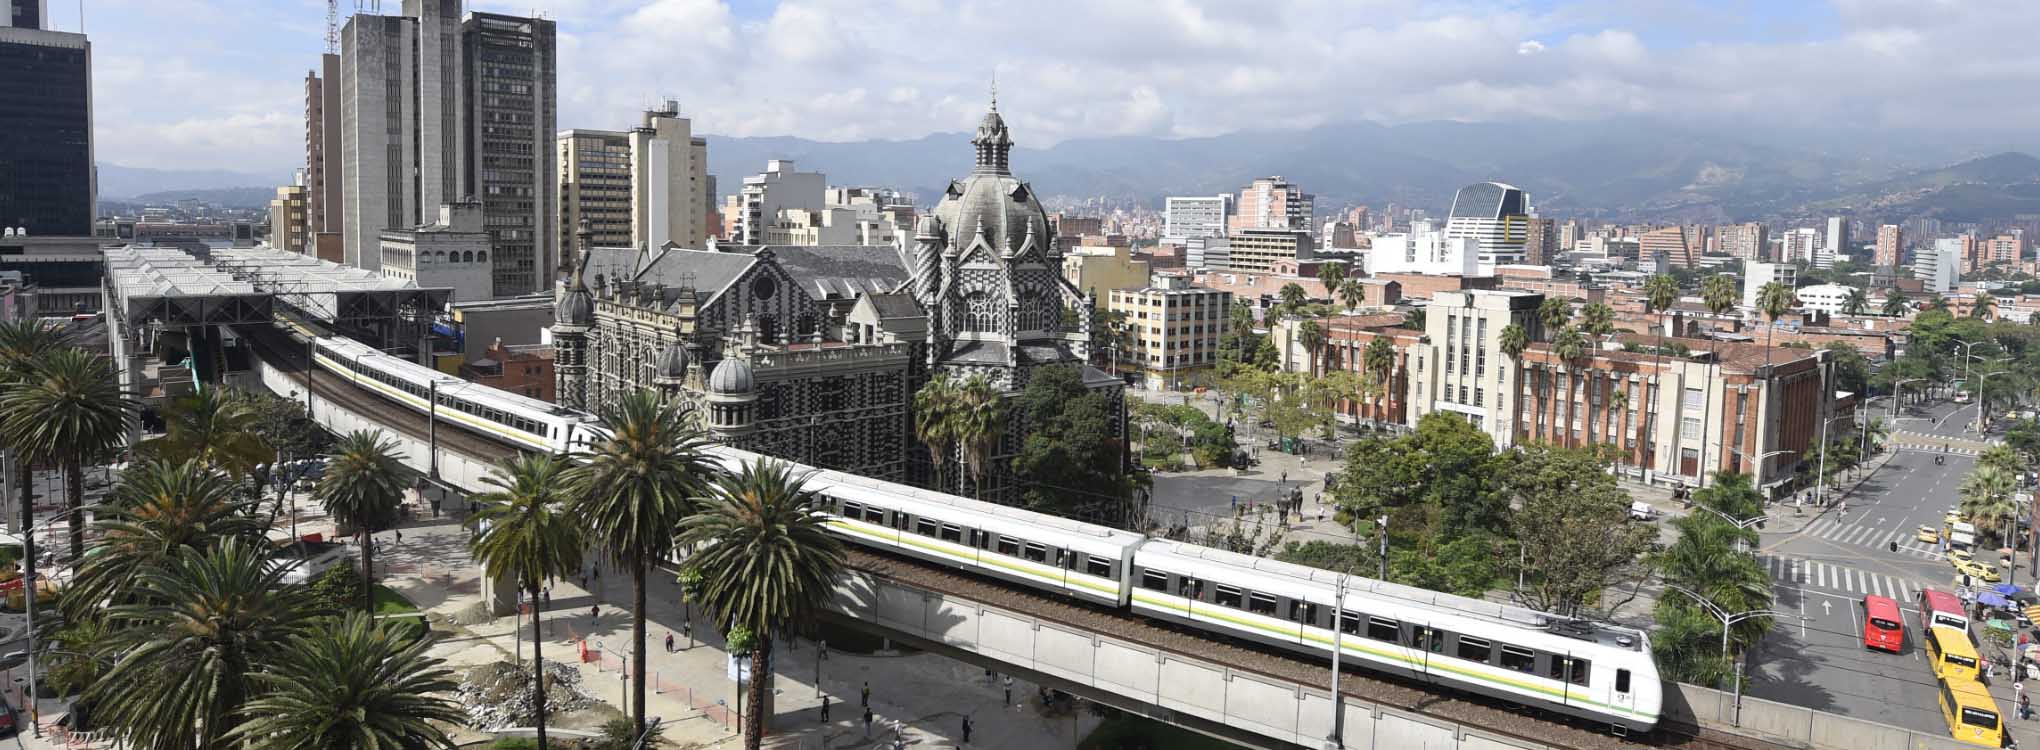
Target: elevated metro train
{"type": "Point", "coordinates": [1596, 671]}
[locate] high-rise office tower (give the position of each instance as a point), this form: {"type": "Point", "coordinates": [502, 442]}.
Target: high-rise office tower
{"type": "Point", "coordinates": [47, 178]}
{"type": "Point", "coordinates": [509, 83]}
{"type": "Point", "coordinates": [594, 177]}
{"type": "Point", "coordinates": [1494, 218]}
{"type": "Point", "coordinates": [1890, 246]}
{"type": "Point", "coordinates": [1272, 203]}
{"type": "Point", "coordinates": [1837, 237]}
{"type": "Point", "coordinates": [400, 137]}
{"type": "Point", "coordinates": [669, 172]}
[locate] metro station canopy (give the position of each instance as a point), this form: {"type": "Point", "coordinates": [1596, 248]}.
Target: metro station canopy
{"type": "Point", "coordinates": [198, 285]}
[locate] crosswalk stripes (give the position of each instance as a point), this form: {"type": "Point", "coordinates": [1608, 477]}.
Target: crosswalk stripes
{"type": "Point", "coordinates": [1871, 536]}
{"type": "Point", "coordinates": [1820, 575]}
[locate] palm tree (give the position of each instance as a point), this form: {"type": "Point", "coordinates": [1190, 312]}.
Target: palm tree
{"type": "Point", "coordinates": [350, 684]}
{"type": "Point", "coordinates": [1379, 361]}
{"type": "Point", "coordinates": [2002, 457]}
{"type": "Point", "coordinates": [158, 510]}
{"type": "Point", "coordinates": [1312, 336]}
{"type": "Point", "coordinates": [1774, 299]}
{"type": "Point", "coordinates": [1293, 296]}
{"type": "Point", "coordinates": [524, 534]}
{"type": "Point", "coordinates": [936, 421]}
{"type": "Point", "coordinates": [1352, 293]}
{"type": "Point", "coordinates": [1985, 308]}
{"type": "Point", "coordinates": [1554, 312]}
{"type": "Point", "coordinates": [1718, 294]}
{"type": "Point", "coordinates": [1937, 302]}
{"type": "Point", "coordinates": [633, 491]}
{"type": "Point", "coordinates": [1597, 319]}
{"type": "Point", "coordinates": [1514, 340]}
{"type": "Point", "coordinates": [980, 419]}
{"type": "Point", "coordinates": [767, 561]}
{"type": "Point", "coordinates": [68, 410]}
{"type": "Point", "coordinates": [1659, 293]}
{"type": "Point", "coordinates": [214, 425]}
{"type": "Point", "coordinates": [1895, 305]}
{"type": "Point", "coordinates": [199, 629]}
{"type": "Point", "coordinates": [1877, 432]}
{"type": "Point", "coordinates": [1570, 347]}
{"type": "Point", "coordinates": [361, 489]}
{"type": "Point", "coordinates": [23, 343]}
{"type": "Point", "coordinates": [1857, 303]}
{"type": "Point", "coordinates": [1987, 497]}
{"type": "Point", "coordinates": [1331, 275]}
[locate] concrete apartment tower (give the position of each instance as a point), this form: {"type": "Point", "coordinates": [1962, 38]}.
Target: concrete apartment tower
{"type": "Point", "coordinates": [669, 175]}
{"type": "Point", "coordinates": [595, 187]}
{"type": "Point", "coordinates": [324, 169]}
{"type": "Point", "coordinates": [509, 83]}
{"type": "Point", "coordinates": [400, 138]}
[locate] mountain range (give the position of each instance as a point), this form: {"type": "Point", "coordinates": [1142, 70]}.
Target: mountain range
{"type": "Point", "coordinates": [1614, 169]}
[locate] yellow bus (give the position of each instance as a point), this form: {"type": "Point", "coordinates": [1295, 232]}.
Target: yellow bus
{"type": "Point", "coordinates": [1954, 657]}
{"type": "Point", "coordinates": [1972, 715]}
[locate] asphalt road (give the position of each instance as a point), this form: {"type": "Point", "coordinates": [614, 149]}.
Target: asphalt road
{"type": "Point", "coordinates": [1816, 657]}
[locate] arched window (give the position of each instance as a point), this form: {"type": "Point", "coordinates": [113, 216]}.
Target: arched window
{"type": "Point", "coordinates": [467, 256]}
{"type": "Point", "coordinates": [481, 256]}
{"type": "Point", "coordinates": [768, 329]}
{"type": "Point", "coordinates": [981, 313]}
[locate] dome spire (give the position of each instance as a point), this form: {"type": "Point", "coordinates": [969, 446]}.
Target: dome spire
{"type": "Point", "coordinates": [994, 144]}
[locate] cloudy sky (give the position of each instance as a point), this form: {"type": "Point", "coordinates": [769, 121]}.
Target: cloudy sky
{"type": "Point", "coordinates": [218, 83]}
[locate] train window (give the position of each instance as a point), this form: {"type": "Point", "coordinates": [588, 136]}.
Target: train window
{"type": "Point", "coordinates": [1581, 669]}
{"type": "Point", "coordinates": [1007, 545]}
{"type": "Point", "coordinates": [1098, 566]}
{"type": "Point", "coordinates": [852, 510]}
{"type": "Point", "coordinates": [1228, 596]}
{"type": "Point", "coordinates": [925, 527]}
{"type": "Point", "coordinates": [1475, 650]}
{"type": "Point", "coordinates": [874, 515]}
{"type": "Point", "coordinates": [1261, 604]}
{"type": "Point", "coordinates": [952, 532]}
{"type": "Point", "coordinates": [1349, 623]}
{"type": "Point", "coordinates": [1382, 629]}
{"type": "Point", "coordinates": [1035, 551]}
{"type": "Point", "coordinates": [1621, 681]}
{"type": "Point", "coordinates": [1557, 669]}
{"type": "Point", "coordinates": [1189, 588]}
{"type": "Point", "coordinates": [1155, 580]}
{"type": "Point", "coordinates": [1303, 612]}
{"type": "Point", "coordinates": [1519, 659]}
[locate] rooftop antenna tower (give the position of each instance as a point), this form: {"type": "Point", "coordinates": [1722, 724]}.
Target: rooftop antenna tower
{"type": "Point", "coordinates": [332, 27]}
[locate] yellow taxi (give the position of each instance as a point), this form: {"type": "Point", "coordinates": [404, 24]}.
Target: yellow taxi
{"type": "Point", "coordinates": [1953, 517]}
{"type": "Point", "coordinates": [1928, 534]}
{"type": "Point", "coordinates": [1976, 570]}
{"type": "Point", "coordinates": [1957, 557]}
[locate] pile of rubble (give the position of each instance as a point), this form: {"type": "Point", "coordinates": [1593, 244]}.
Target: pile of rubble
{"type": "Point", "coordinates": [499, 695]}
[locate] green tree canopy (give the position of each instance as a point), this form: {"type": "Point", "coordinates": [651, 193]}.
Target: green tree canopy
{"type": "Point", "coordinates": [1069, 447]}
{"type": "Point", "coordinates": [1571, 523]}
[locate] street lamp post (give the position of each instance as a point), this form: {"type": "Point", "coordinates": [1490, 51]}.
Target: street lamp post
{"type": "Point", "coordinates": [1966, 347]}
{"type": "Point", "coordinates": [1383, 523]}
{"type": "Point", "coordinates": [1337, 739]}
{"type": "Point", "coordinates": [1983, 398]}
{"type": "Point", "coordinates": [1756, 464]}
{"type": "Point", "coordinates": [1728, 620]}
{"type": "Point", "coordinates": [28, 602]}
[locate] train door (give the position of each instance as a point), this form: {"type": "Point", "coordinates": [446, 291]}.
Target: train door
{"type": "Point", "coordinates": [1425, 641]}
{"type": "Point", "coordinates": [1624, 691]}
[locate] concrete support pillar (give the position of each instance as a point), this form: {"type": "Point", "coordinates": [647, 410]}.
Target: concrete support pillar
{"type": "Point", "coordinates": [499, 593]}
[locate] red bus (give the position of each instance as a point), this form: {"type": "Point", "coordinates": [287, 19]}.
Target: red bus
{"type": "Point", "coordinates": [1881, 624]}
{"type": "Point", "coordinates": [1941, 609]}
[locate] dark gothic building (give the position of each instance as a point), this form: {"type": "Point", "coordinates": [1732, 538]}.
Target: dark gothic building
{"type": "Point", "coordinates": [814, 353]}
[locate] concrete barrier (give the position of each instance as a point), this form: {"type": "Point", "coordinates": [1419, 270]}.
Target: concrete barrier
{"type": "Point", "coordinates": [1791, 726]}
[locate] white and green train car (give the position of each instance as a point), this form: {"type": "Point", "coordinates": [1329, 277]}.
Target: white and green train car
{"type": "Point", "coordinates": [1591, 670]}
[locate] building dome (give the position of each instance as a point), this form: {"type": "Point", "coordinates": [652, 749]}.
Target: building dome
{"type": "Point", "coordinates": [576, 307]}
{"type": "Point", "coordinates": [731, 377]}
{"type": "Point", "coordinates": [673, 362]}
{"type": "Point", "coordinates": [991, 200]}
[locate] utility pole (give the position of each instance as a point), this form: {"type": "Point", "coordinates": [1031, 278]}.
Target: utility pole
{"type": "Point", "coordinates": [1337, 739]}
{"type": "Point", "coordinates": [1383, 522]}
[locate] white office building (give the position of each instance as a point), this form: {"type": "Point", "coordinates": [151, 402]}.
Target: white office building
{"type": "Point", "coordinates": [1427, 251]}
{"type": "Point", "coordinates": [669, 186]}
{"type": "Point", "coordinates": [1939, 264]}
{"type": "Point", "coordinates": [1756, 275]}
{"type": "Point", "coordinates": [1829, 298]}
{"type": "Point", "coordinates": [1186, 217]}
{"type": "Point", "coordinates": [765, 194]}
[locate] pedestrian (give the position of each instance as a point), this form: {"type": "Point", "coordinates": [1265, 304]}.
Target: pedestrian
{"type": "Point", "coordinates": [1009, 690]}
{"type": "Point", "coordinates": [825, 709]}
{"type": "Point", "coordinates": [400, 536]}
{"type": "Point", "coordinates": [867, 700]}
{"type": "Point", "coordinates": [966, 730]}
{"type": "Point", "coordinates": [822, 649]}
{"type": "Point", "coordinates": [595, 612]}
{"type": "Point", "coordinates": [669, 641]}
{"type": "Point", "coordinates": [2025, 709]}
{"type": "Point", "coordinates": [867, 718]}
{"type": "Point", "coordinates": [546, 596]}
{"type": "Point", "coordinates": [687, 627]}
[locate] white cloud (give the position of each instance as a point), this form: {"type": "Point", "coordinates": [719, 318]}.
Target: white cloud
{"type": "Point", "coordinates": [216, 92]}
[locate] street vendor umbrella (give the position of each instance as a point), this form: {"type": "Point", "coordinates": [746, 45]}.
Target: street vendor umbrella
{"type": "Point", "coordinates": [1992, 599]}
{"type": "Point", "coordinates": [2007, 589]}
